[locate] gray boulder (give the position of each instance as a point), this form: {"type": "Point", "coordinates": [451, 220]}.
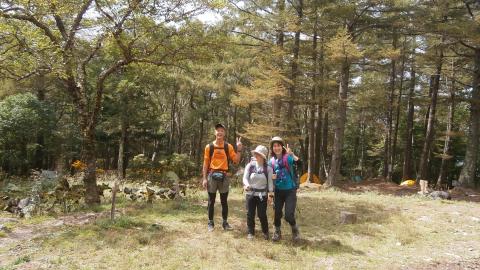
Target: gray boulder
{"type": "Point", "coordinates": [440, 195]}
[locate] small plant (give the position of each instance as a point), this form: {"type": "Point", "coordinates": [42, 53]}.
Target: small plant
{"type": "Point", "coordinates": [119, 223]}
{"type": "Point", "coordinates": [21, 260]}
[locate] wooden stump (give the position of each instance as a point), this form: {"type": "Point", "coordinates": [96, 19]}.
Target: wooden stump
{"type": "Point", "coordinates": [114, 195]}
{"type": "Point", "coordinates": [423, 186]}
{"type": "Point", "coordinates": [348, 217]}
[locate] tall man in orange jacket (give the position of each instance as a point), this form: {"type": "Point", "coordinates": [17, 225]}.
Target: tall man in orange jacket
{"type": "Point", "coordinates": [216, 160]}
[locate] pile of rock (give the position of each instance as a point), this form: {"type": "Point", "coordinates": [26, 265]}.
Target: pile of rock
{"type": "Point", "coordinates": [149, 193]}
{"type": "Point", "coordinates": [21, 207]}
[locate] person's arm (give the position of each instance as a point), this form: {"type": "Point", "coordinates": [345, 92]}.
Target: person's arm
{"type": "Point", "coordinates": [246, 174]}
{"type": "Point", "coordinates": [270, 185]}
{"type": "Point", "coordinates": [290, 152]}
{"type": "Point", "coordinates": [270, 180]}
{"type": "Point", "coordinates": [206, 163]}
{"type": "Point", "coordinates": [235, 157]}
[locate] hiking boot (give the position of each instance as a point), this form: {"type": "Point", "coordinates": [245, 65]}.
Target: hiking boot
{"type": "Point", "coordinates": [210, 225]}
{"type": "Point", "coordinates": [277, 235]}
{"type": "Point", "coordinates": [266, 236]}
{"type": "Point", "coordinates": [250, 236]}
{"type": "Point", "coordinates": [226, 226]}
{"type": "Point", "coordinates": [295, 233]}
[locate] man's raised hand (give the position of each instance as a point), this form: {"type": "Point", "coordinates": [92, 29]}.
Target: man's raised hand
{"type": "Point", "coordinates": [239, 144]}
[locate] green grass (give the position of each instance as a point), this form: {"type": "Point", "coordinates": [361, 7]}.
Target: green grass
{"type": "Point", "coordinates": [21, 260]}
{"type": "Point", "coordinates": [391, 232]}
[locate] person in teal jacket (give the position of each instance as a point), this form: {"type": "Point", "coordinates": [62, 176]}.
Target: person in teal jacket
{"type": "Point", "coordinates": [285, 187]}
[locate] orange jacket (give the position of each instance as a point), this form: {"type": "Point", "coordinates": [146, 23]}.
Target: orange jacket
{"type": "Point", "coordinates": [219, 160]}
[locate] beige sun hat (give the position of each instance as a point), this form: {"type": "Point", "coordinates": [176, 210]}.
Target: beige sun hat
{"type": "Point", "coordinates": [276, 139]}
{"type": "Point", "coordinates": [261, 150]}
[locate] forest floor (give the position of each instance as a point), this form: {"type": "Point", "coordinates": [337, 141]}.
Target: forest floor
{"type": "Point", "coordinates": [396, 229]}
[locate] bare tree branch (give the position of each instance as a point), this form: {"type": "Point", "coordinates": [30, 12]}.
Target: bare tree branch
{"type": "Point", "coordinates": [76, 24]}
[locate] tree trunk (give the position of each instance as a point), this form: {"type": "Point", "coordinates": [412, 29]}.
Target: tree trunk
{"type": "Point", "coordinates": [178, 118]}
{"type": "Point", "coordinates": [39, 151]}
{"type": "Point", "coordinates": [296, 52]}
{"type": "Point", "coordinates": [324, 154]}
{"type": "Point", "coordinates": [121, 149]}
{"type": "Point", "coordinates": [388, 167]}
{"type": "Point", "coordinates": [313, 134]}
{"type": "Point", "coordinates": [318, 141]}
{"type": "Point", "coordinates": [319, 161]}
{"type": "Point", "coordinates": [427, 114]}
{"type": "Point", "coordinates": [114, 197]}
{"type": "Point", "coordinates": [234, 124]}
{"type": "Point", "coordinates": [398, 105]}
{"type": "Point", "coordinates": [89, 178]}
{"type": "Point", "coordinates": [362, 145]}
{"type": "Point", "coordinates": [336, 161]}
{"type": "Point", "coordinates": [171, 140]}
{"type": "Point", "coordinates": [446, 147]}
{"type": "Point", "coordinates": [423, 166]}
{"type": "Point", "coordinates": [277, 102]}
{"type": "Point", "coordinates": [200, 143]}
{"type": "Point", "coordinates": [407, 150]}
{"type": "Point", "coordinates": [467, 175]}
{"type": "Point", "coordinates": [303, 140]}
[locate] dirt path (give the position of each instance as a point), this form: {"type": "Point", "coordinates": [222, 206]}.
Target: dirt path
{"type": "Point", "coordinates": [22, 235]}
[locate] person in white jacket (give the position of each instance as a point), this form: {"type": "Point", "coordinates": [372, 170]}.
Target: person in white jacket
{"type": "Point", "coordinates": [258, 186]}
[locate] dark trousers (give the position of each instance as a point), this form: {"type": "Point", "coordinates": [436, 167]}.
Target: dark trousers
{"type": "Point", "coordinates": [211, 204]}
{"type": "Point", "coordinates": [255, 204]}
{"type": "Point", "coordinates": [287, 198]}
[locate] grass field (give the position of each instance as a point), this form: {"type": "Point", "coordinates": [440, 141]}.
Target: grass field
{"type": "Point", "coordinates": [392, 232]}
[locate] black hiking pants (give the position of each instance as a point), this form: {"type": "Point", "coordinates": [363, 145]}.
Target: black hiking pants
{"type": "Point", "coordinates": [253, 203]}
{"type": "Point", "coordinates": [287, 199]}
{"type": "Point", "coordinates": [211, 205]}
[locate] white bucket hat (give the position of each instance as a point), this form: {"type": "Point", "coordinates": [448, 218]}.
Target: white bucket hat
{"type": "Point", "coordinates": [262, 151]}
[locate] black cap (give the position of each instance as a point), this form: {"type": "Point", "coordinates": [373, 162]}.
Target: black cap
{"type": "Point", "coordinates": [219, 125]}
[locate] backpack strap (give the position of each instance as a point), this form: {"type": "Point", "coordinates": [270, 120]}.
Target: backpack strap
{"type": "Point", "coordinates": [265, 171]}
{"type": "Point", "coordinates": [211, 148]}
{"type": "Point", "coordinates": [285, 162]}
{"type": "Point", "coordinates": [272, 162]}
{"type": "Point", "coordinates": [225, 148]}
{"type": "Point", "coordinates": [251, 169]}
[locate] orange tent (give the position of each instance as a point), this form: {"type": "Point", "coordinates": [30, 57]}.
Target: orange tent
{"type": "Point", "coordinates": [314, 179]}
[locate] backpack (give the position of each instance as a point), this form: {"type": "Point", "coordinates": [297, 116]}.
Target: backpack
{"type": "Point", "coordinates": [265, 172]}
{"type": "Point", "coordinates": [292, 171]}
{"type": "Point", "coordinates": [212, 148]}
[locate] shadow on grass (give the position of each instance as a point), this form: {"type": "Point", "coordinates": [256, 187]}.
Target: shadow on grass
{"type": "Point", "coordinates": [328, 245]}
{"type": "Point", "coordinates": [319, 222]}
{"type": "Point", "coordinates": [325, 244]}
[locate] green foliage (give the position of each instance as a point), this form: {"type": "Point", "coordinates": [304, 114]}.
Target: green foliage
{"type": "Point", "coordinates": [182, 165]}
{"type": "Point", "coordinates": [22, 119]}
